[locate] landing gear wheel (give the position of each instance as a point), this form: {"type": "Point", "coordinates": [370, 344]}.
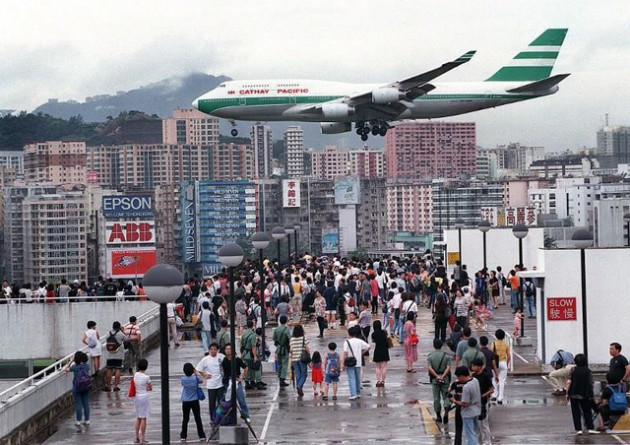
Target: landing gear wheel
{"type": "Point", "coordinates": [359, 131]}
{"type": "Point", "coordinates": [382, 131]}
{"type": "Point", "coordinates": [365, 130]}
{"type": "Point", "coordinates": [234, 132]}
{"type": "Point", "coordinates": [364, 137]}
{"type": "Point", "coordinates": [375, 131]}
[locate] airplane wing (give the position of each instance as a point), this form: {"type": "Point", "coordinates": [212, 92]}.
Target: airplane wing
{"type": "Point", "coordinates": [415, 86]}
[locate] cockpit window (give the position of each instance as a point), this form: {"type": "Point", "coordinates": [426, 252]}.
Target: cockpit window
{"type": "Point", "coordinates": [222, 85]}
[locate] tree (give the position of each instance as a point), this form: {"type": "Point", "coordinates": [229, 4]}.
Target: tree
{"type": "Point", "coordinates": [550, 243]}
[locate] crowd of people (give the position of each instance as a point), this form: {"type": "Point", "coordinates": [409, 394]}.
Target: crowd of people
{"type": "Point", "coordinates": [377, 302]}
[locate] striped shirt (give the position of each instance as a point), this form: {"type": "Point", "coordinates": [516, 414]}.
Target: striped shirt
{"type": "Point", "coordinates": [296, 348]}
{"type": "Point", "coordinates": [133, 332]}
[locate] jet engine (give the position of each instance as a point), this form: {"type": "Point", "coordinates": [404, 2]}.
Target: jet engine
{"type": "Point", "coordinates": [336, 111]}
{"type": "Point", "coordinates": [384, 96]}
{"type": "Point", "coordinates": [335, 127]}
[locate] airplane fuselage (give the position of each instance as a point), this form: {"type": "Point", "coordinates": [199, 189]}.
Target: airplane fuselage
{"type": "Point", "coordinates": [296, 100]}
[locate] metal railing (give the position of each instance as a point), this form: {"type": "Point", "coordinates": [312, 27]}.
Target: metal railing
{"type": "Point", "coordinates": [77, 299]}
{"type": "Point", "coordinates": [49, 373]}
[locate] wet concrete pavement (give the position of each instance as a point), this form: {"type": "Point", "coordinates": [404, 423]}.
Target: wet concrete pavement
{"type": "Point", "coordinates": [401, 412]}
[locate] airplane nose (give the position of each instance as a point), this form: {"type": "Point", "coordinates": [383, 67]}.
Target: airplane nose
{"type": "Point", "coordinates": [195, 103]}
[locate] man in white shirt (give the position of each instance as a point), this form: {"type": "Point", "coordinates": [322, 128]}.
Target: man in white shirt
{"type": "Point", "coordinates": [210, 369]}
{"type": "Point", "coordinates": [354, 348]}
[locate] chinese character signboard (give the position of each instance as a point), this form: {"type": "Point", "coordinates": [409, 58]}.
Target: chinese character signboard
{"type": "Point", "coordinates": [520, 215]}
{"type": "Point", "coordinates": [490, 214]}
{"type": "Point", "coordinates": [290, 193]}
{"type": "Point", "coordinates": [561, 308]}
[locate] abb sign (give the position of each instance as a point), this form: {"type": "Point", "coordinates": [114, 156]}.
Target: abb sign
{"type": "Point", "coordinates": [131, 232]}
{"type": "Point", "coordinates": [561, 308]}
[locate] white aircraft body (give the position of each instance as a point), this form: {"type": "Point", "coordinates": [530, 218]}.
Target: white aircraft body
{"type": "Point", "coordinates": [374, 108]}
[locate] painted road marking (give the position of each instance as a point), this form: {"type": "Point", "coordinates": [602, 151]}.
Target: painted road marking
{"type": "Point", "coordinates": [430, 427]}
{"type": "Point", "coordinates": [520, 356]}
{"type": "Point", "coordinates": [268, 420]}
{"type": "Point", "coordinates": [620, 440]}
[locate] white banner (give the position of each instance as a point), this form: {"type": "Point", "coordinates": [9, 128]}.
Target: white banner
{"type": "Point", "coordinates": [290, 193]}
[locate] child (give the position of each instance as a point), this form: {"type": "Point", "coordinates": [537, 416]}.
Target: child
{"type": "Point", "coordinates": [317, 375]}
{"type": "Point", "coordinates": [481, 314]}
{"type": "Point", "coordinates": [332, 366]}
{"type": "Point", "coordinates": [143, 385]}
{"type": "Point", "coordinates": [81, 385]}
{"type": "Point", "coordinates": [91, 338]}
{"type": "Point", "coordinates": [518, 322]}
{"type": "Point", "coordinates": [190, 400]}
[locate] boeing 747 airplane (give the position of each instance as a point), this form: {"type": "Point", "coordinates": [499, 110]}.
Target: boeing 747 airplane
{"type": "Point", "coordinates": [374, 108]}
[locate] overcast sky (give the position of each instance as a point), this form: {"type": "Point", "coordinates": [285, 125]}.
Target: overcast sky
{"type": "Point", "coordinates": [73, 49]}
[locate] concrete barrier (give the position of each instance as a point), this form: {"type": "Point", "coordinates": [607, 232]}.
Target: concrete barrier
{"type": "Point", "coordinates": [30, 409]}
{"type": "Point", "coordinates": [44, 331]}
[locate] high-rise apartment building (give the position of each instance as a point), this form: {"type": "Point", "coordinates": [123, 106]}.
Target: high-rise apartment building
{"type": "Point", "coordinates": [428, 150]}
{"type": "Point", "coordinates": [263, 145]}
{"type": "Point", "coordinates": [613, 146]}
{"type": "Point", "coordinates": [46, 234]}
{"type": "Point", "coordinates": [294, 149]}
{"type": "Point", "coordinates": [147, 165]}
{"type": "Point", "coordinates": [409, 206]}
{"type": "Point", "coordinates": [12, 159]}
{"type": "Point", "coordinates": [55, 162]}
{"type": "Point", "coordinates": [167, 209]}
{"type": "Point", "coordinates": [231, 162]}
{"type": "Point", "coordinates": [190, 127]}
{"type": "Point", "coordinates": [330, 162]}
{"type": "Point", "coordinates": [367, 163]}
{"type": "Point", "coordinates": [371, 215]}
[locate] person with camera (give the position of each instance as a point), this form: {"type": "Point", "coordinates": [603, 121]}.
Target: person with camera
{"type": "Point", "coordinates": [485, 386]}
{"type": "Point", "coordinates": [563, 364]}
{"type": "Point", "coordinates": [470, 404]}
{"type": "Point", "coordinates": [439, 365]}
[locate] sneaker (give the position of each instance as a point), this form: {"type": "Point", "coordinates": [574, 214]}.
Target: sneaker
{"type": "Point", "coordinates": [283, 383]}
{"type": "Point", "coordinates": [334, 397]}
{"type": "Point", "coordinates": [353, 397]}
{"type": "Point", "coordinates": [106, 388]}
{"type": "Point", "coordinates": [86, 422]}
{"type": "Point", "coordinates": [324, 398]}
{"type": "Point", "coordinates": [182, 440]}
{"type": "Point", "coordinates": [116, 389]}
{"type": "Point", "coordinates": [593, 432]}
{"type": "Point", "coordinates": [77, 423]}
{"type": "Point", "coordinates": [300, 392]}
{"type": "Point", "coordinates": [578, 433]}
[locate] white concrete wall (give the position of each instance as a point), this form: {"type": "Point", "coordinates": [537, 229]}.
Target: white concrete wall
{"type": "Point", "coordinates": [347, 229]}
{"type": "Point", "coordinates": [34, 331]}
{"type": "Point", "coordinates": [501, 248]}
{"type": "Point", "coordinates": [607, 300]}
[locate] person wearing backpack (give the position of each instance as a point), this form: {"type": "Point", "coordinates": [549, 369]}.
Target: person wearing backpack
{"type": "Point", "coordinates": [332, 370]}
{"type": "Point", "coordinates": [281, 339]}
{"type": "Point", "coordinates": [580, 395]}
{"type": "Point", "coordinates": [530, 297]}
{"type": "Point", "coordinates": [91, 338]}
{"type": "Point", "coordinates": [115, 356]}
{"type": "Point", "coordinates": [613, 401]}
{"type": "Point", "coordinates": [249, 354]}
{"type": "Point", "coordinates": [81, 386]}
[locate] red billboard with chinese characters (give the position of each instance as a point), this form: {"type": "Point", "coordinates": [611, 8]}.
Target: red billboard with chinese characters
{"type": "Point", "coordinates": [561, 308]}
{"type": "Point", "coordinates": [130, 263]}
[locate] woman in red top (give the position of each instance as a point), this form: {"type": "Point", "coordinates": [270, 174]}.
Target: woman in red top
{"type": "Point", "coordinates": [374, 293]}
{"type": "Point", "coordinates": [50, 294]}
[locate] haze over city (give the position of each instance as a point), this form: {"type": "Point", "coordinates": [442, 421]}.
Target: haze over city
{"type": "Point", "coordinates": [76, 50]}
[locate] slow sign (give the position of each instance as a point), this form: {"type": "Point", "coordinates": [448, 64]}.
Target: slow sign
{"type": "Point", "coordinates": [561, 308]}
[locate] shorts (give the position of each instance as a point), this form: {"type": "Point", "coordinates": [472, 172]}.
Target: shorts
{"type": "Point", "coordinates": [114, 363]}
{"type": "Point", "coordinates": [331, 378]}
{"type": "Point", "coordinates": [333, 312]}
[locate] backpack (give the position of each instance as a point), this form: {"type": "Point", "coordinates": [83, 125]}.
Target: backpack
{"type": "Point", "coordinates": [333, 364]}
{"type": "Point", "coordinates": [92, 342]}
{"type": "Point", "coordinates": [82, 380]}
{"type": "Point", "coordinates": [220, 416]}
{"type": "Point", "coordinates": [112, 344]}
{"type": "Point", "coordinates": [618, 401]}
{"type": "Point", "coordinates": [530, 290]}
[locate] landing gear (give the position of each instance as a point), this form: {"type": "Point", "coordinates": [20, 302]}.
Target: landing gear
{"type": "Point", "coordinates": [377, 128]}
{"type": "Point", "coordinates": [234, 131]}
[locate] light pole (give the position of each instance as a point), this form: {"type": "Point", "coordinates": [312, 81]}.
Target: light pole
{"type": "Point", "coordinates": [520, 231]}
{"type": "Point", "coordinates": [260, 240]}
{"type": "Point", "coordinates": [626, 219]}
{"type": "Point", "coordinates": [278, 234]}
{"type": "Point", "coordinates": [459, 225]}
{"type": "Point", "coordinates": [231, 255]}
{"type": "Point", "coordinates": [484, 226]}
{"type": "Point", "coordinates": [163, 284]}
{"type": "Point", "coordinates": [297, 233]}
{"type": "Point", "coordinates": [583, 239]}
{"type": "Point", "coordinates": [289, 230]}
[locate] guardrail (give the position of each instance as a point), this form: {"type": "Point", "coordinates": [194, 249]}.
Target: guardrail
{"type": "Point", "coordinates": [77, 299]}
{"type": "Point", "coordinates": [52, 383]}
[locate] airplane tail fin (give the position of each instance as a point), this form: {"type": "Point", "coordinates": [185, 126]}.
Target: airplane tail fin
{"type": "Point", "coordinates": [536, 61]}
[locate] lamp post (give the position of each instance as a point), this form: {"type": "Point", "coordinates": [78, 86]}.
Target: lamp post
{"type": "Point", "coordinates": [626, 219]}
{"type": "Point", "coordinates": [260, 240]}
{"type": "Point", "coordinates": [278, 234]}
{"type": "Point", "coordinates": [289, 230]}
{"type": "Point", "coordinates": [163, 284]}
{"type": "Point", "coordinates": [583, 239]}
{"type": "Point", "coordinates": [459, 224]}
{"type": "Point", "coordinates": [520, 231]}
{"type": "Point", "coordinates": [484, 226]}
{"type": "Point", "coordinates": [297, 233]}
{"type": "Point", "coordinates": [231, 255]}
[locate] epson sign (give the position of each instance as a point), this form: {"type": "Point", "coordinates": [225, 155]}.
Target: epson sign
{"type": "Point", "coordinates": [117, 206]}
